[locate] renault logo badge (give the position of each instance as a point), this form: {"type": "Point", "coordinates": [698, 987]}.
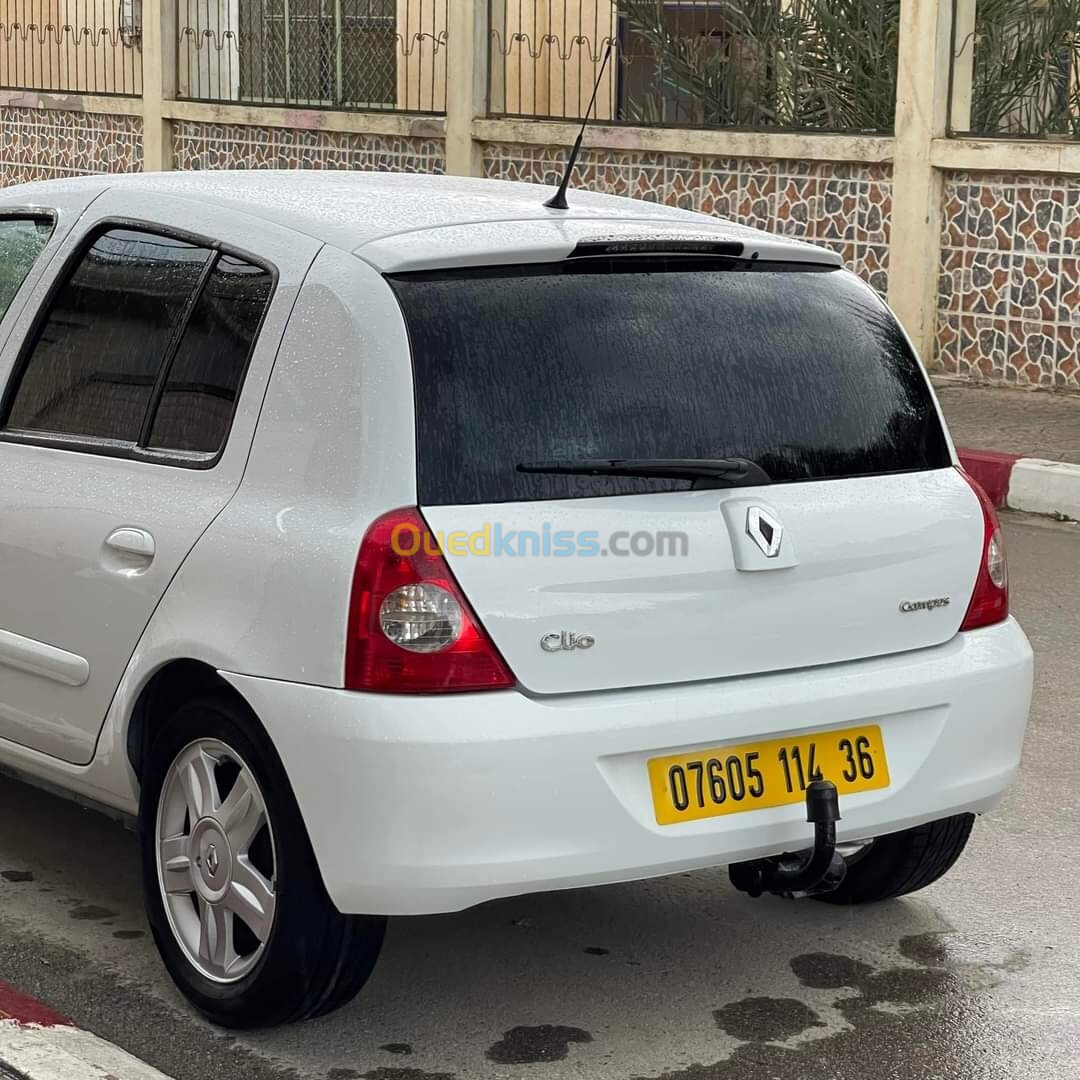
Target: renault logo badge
{"type": "Point", "coordinates": [765, 531]}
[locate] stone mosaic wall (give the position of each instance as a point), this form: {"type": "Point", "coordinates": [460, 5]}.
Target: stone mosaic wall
{"type": "Point", "coordinates": [842, 206]}
{"type": "Point", "coordinates": [237, 146]}
{"type": "Point", "coordinates": [40, 144]}
{"type": "Point", "coordinates": [1009, 288]}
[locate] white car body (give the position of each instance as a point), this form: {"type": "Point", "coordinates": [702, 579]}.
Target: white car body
{"type": "Point", "coordinates": [431, 803]}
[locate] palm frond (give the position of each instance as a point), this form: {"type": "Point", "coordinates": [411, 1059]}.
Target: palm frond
{"type": "Point", "coordinates": [832, 64]}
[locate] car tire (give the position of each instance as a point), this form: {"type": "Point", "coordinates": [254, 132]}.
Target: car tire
{"type": "Point", "coordinates": [903, 862]}
{"type": "Point", "coordinates": [268, 946]}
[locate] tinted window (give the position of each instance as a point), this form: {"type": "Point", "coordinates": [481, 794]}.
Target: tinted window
{"type": "Point", "coordinates": [92, 368]}
{"type": "Point", "coordinates": [21, 242]}
{"type": "Point", "coordinates": [804, 371]}
{"type": "Point", "coordinates": [204, 378]}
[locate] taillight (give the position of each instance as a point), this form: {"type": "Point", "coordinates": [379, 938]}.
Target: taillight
{"type": "Point", "coordinates": [411, 630]}
{"type": "Point", "coordinates": [990, 599]}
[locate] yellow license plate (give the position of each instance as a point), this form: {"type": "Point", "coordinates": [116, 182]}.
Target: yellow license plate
{"type": "Point", "coordinates": [731, 779]}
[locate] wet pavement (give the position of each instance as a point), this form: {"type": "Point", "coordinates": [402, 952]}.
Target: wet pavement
{"type": "Point", "coordinates": [975, 978]}
{"type": "Point", "coordinates": [1032, 423]}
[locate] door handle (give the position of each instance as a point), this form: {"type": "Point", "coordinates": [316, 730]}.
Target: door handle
{"type": "Point", "coordinates": [132, 542]}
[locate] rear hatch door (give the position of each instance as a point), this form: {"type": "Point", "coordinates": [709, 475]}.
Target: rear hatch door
{"type": "Point", "coordinates": [865, 542]}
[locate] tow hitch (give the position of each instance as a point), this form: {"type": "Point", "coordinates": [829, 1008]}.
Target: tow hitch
{"type": "Point", "coordinates": [796, 874]}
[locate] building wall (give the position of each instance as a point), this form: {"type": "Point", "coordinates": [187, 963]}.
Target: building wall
{"type": "Point", "coordinates": [1009, 288]}
{"type": "Point", "coordinates": [239, 146]}
{"type": "Point", "coordinates": [40, 144]}
{"type": "Point", "coordinates": [842, 206]}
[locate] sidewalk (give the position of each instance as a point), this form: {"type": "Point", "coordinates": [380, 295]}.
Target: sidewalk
{"type": "Point", "coordinates": [37, 1043]}
{"type": "Point", "coordinates": [1023, 446]}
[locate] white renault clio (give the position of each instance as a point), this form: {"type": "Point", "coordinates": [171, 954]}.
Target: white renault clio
{"type": "Point", "coordinates": [389, 544]}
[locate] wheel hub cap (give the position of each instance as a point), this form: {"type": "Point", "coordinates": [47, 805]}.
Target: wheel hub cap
{"type": "Point", "coordinates": [209, 851]}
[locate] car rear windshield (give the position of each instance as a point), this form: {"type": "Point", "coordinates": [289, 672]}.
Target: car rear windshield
{"type": "Point", "coordinates": [802, 370]}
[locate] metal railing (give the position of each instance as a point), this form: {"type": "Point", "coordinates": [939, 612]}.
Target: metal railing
{"type": "Point", "coordinates": [823, 65]}
{"type": "Point", "coordinates": [386, 55]}
{"type": "Point", "coordinates": [1015, 68]}
{"type": "Point", "coordinates": [72, 46]}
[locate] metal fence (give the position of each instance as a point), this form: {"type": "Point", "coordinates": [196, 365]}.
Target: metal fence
{"type": "Point", "coordinates": [74, 46]}
{"type": "Point", "coordinates": [1015, 68]}
{"type": "Point", "coordinates": [824, 65]}
{"type": "Point", "coordinates": [387, 55]}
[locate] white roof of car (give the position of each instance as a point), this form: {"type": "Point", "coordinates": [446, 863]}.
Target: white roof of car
{"type": "Point", "coordinates": [399, 221]}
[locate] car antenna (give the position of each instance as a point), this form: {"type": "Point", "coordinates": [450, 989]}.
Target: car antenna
{"type": "Point", "coordinates": [558, 200]}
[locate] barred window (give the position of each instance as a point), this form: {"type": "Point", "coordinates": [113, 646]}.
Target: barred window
{"type": "Point", "coordinates": [339, 52]}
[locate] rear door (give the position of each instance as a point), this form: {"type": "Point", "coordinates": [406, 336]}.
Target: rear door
{"type": "Point", "coordinates": [132, 384]}
{"type": "Point", "coordinates": [589, 583]}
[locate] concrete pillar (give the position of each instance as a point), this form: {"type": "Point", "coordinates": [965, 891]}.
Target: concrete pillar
{"type": "Point", "coordinates": [466, 85]}
{"type": "Point", "coordinates": [921, 99]}
{"type": "Point", "coordinates": [159, 82]}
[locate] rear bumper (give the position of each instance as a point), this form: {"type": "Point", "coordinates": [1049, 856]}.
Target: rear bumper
{"type": "Point", "coordinates": [432, 804]}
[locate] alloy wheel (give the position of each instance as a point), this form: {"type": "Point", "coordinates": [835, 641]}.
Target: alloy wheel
{"type": "Point", "coordinates": [216, 861]}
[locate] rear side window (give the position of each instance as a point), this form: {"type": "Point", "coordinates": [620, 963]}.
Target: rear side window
{"type": "Point", "coordinates": [97, 355]}
{"type": "Point", "coordinates": [800, 369]}
{"type": "Point", "coordinates": [204, 379]}
{"type": "Point", "coordinates": [21, 242]}
{"type": "Point", "coordinates": [144, 346]}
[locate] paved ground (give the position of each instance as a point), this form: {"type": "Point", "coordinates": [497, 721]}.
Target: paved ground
{"type": "Point", "coordinates": [1032, 423]}
{"type": "Point", "coordinates": [977, 977]}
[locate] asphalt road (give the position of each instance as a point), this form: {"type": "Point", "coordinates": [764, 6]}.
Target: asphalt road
{"type": "Point", "coordinates": [977, 977]}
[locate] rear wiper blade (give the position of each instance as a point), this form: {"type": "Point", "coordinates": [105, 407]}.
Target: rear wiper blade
{"type": "Point", "coordinates": [705, 472]}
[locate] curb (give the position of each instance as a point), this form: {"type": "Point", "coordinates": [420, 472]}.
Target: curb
{"type": "Point", "coordinates": [1029, 484]}
{"type": "Point", "coordinates": [37, 1043]}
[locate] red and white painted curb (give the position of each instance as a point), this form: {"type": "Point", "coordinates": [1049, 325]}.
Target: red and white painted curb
{"type": "Point", "coordinates": [37, 1043]}
{"type": "Point", "coordinates": [1029, 484]}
